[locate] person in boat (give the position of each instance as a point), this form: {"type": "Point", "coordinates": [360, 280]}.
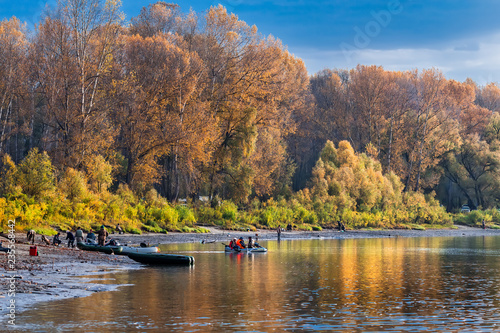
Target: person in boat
{"type": "Point", "coordinates": [71, 239]}
{"type": "Point", "coordinates": [241, 243]}
{"type": "Point", "coordinates": [233, 245]}
{"type": "Point", "coordinates": [79, 235]}
{"type": "Point", "coordinates": [102, 235]}
{"type": "Point", "coordinates": [91, 238]}
{"type": "Point", "coordinates": [56, 240]}
{"type": "Point", "coordinates": [251, 243]}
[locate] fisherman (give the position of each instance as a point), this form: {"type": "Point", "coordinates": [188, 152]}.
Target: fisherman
{"type": "Point", "coordinates": [71, 239]}
{"type": "Point", "coordinates": [112, 242]}
{"type": "Point", "coordinates": [341, 226]}
{"type": "Point", "coordinates": [251, 243]}
{"type": "Point", "coordinates": [241, 243]}
{"type": "Point", "coordinates": [56, 241]}
{"type": "Point", "coordinates": [45, 240]}
{"type": "Point", "coordinates": [79, 235]}
{"type": "Point", "coordinates": [233, 244]}
{"type": "Point", "coordinates": [91, 237]}
{"type": "Point", "coordinates": [119, 229]}
{"type": "Point", "coordinates": [31, 236]}
{"type": "Point", "coordinates": [102, 235]}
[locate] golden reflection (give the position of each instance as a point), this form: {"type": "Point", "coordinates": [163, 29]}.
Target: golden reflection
{"type": "Point", "coordinates": [335, 280]}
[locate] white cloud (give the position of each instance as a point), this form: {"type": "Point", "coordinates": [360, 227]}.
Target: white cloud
{"type": "Point", "coordinates": [478, 59]}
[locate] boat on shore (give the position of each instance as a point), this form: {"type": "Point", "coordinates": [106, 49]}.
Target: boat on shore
{"type": "Point", "coordinates": [105, 249]}
{"type": "Point", "coordinates": [135, 249]}
{"type": "Point", "coordinates": [161, 259]}
{"type": "Point", "coordinates": [245, 250]}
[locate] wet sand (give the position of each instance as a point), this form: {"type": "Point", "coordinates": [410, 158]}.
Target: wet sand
{"type": "Point", "coordinates": [57, 272]}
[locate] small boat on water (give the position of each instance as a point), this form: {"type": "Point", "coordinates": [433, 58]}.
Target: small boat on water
{"type": "Point", "coordinates": [161, 258]}
{"type": "Point", "coordinates": [245, 250]}
{"type": "Point", "coordinates": [98, 248]}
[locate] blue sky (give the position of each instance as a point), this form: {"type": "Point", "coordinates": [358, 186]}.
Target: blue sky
{"type": "Point", "coordinates": [459, 37]}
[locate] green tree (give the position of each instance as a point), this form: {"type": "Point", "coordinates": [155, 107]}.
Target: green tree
{"type": "Point", "coordinates": [73, 184]}
{"type": "Point", "coordinates": [99, 173]}
{"type": "Point", "coordinates": [8, 174]}
{"type": "Point", "coordinates": [35, 173]}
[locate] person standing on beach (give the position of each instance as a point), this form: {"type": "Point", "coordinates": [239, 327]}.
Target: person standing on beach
{"type": "Point", "coordinates": [31, 236]}
{"type": "Point", "coordinates": [102, 235]}
{"type": "Point", "coordinates": [279, 232]}
{"type": "Point", "coordinates": [71, 239]}
{"type": "Point", "coordinates": [119, 229]}
{"type": "Point", "coordinates": [79, 235]}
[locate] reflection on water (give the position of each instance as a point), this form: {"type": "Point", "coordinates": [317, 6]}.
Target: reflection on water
{"type": "Point", "coordinates": [415, 284]}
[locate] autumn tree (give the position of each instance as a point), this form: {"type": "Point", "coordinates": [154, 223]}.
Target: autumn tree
{"type": "Point", "coordinates": [247, 79]}
{"type": "Point", "coordinates": [158, 112]}
{"type": "Point", "coordinates": [13, 79]}
{"type": "Point", "coordinates": [72, 56]}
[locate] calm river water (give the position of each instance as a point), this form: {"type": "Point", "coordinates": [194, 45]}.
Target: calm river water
{"type": "Point", "coordinates": [398, 284]}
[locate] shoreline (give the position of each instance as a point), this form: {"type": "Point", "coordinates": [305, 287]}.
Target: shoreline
{"type": "Point", "coordinates": [218, 235]}
{"type": "Point", "coordinates": [57, 273]}
{"type": "Point", "coordinates": [60, 272]}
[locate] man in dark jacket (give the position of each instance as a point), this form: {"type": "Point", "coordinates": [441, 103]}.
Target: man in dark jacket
{"type": "Point", "coordinates": [71, 239]}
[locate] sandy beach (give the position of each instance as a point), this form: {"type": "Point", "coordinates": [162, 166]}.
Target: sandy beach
{"type": "Point", "coordinates": [61, 272]}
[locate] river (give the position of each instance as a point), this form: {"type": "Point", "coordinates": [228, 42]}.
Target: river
{"type": "Point", "coordinates": [440, 284]}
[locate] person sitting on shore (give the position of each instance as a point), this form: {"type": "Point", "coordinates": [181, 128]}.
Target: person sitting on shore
{"type": "Point", "coordinates": [31, 236]}
{"type": "Point", "coordinates": [56, 241]}
{"type": "Point", "coordinates": [251, 243]}
{"type": "Point", "coordinates": [45, 240]}
{"type": "Point", "coordinates": [71, 239]}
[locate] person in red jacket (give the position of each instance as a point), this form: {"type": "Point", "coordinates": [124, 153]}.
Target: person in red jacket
{"type": "Point", "coordinates": [233, 244]}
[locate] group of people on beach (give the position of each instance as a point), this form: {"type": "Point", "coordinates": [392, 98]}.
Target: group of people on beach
{"type": "Point", "coordinates": [78, 236]}
{"type": "Point", "coordinates": [102, 234]}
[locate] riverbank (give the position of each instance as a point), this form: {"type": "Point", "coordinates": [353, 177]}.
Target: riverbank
{"type": "Point", "coordinates": [60, 272]}
{"type": "Point", "coordinates": [225, 236]}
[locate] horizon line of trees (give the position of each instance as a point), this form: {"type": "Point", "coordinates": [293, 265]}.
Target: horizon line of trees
{"type": "Point", "coordinates": [202, 104]}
